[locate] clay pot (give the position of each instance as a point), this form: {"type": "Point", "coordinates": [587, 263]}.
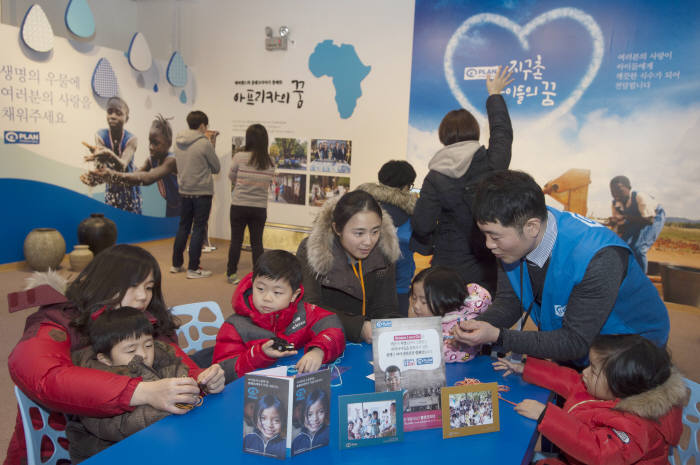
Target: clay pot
{"type": "Point", "coordinates": [97, 232]}
{"type": "Point", "coordinates": [80, 257]}
{"type": "Point", "coordinates": [44, 248]}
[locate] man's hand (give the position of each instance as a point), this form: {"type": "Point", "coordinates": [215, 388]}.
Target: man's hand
{"type": "Point", "coordinates": [272, 353]}
{"type": "Point", "coordinates": [311, 361]}
{"type": "Point", "coordinates": [530, 408]}
{"type": "Point", "coordinates": [474, 332]}
{"type": "Point", "coordinates": [503, 364]}
{"type": "Point", "coordinates": [213, 378]}
{"type": "Point", "coordinates": [496, 82]}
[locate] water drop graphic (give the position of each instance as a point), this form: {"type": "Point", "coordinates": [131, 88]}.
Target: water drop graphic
{"type": "Point", "coordinates": [155, 87]}
{"type": "Point", "coordinates": [183, 97]}
{"type": "Point", "coordinates": [177, 70]}
{"type": "Point", "coordinates": [139, 53]}
{"type": "Point", "coordinates": [36, 30]}
{"type": "Point", "coordinates": [104, 81]}
{"type": "Point", "coordinates": [79, 19]}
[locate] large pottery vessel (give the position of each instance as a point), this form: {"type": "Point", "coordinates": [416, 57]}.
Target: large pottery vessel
{"type": "Point", "coordinates": [97, 232]}
{"type": "Point", "coordinates": [44, 248]}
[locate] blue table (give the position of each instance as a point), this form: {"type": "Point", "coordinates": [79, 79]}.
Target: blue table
{"type": "Point", "coordinates": [212, 433]}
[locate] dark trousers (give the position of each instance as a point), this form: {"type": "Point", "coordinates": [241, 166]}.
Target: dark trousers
{"type": "Point", "coordinates": [240, 217]}
{"type": "Point", "coordinates": [195, 210]}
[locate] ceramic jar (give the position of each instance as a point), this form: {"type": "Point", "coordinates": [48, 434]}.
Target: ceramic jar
{"type": "Point", "coordinates": [44, 248]}
{"type": "Point", "coordinates": [80, 257]}
{"type": "Point", "coordinates": [97, 232]}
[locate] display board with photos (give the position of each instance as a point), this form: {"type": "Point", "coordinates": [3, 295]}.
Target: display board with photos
{"type": "Point", "coordinates": [285, 415]}
{"type": "Point", "coordinates": [469, 409]}
{"type": "Point", "coordinates": [408, 357]}
{"type": "Point", "coordinates": [370, 419]}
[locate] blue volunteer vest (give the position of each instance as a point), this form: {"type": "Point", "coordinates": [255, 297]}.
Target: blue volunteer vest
{"type": "Point", "coordinates": [638, 308]}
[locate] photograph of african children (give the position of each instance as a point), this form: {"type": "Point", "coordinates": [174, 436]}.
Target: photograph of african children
{"type": "Point", "coordinates": [331, 156]}
{"type": "Point", "coordinates": [470, 409]}
{"type": "Point", "coordinates": [371, 418]}
{"type": "Point", "coordinates": [289, 154]}
{"type": "Point", "coordinates": [327, 187]}
{"type": "Point", "coordinates": [288, 188]}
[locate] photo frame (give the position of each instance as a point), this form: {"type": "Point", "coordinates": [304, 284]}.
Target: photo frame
{"type": "Point", "coordinates": [469, 409]}
{"type": "Point", "coordinates": [370, 419]}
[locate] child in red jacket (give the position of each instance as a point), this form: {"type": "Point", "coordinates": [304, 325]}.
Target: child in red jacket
{"type": "Point", "coordinates": [267, 305]}
{"type": "Point", "coordinates": [625, 408]}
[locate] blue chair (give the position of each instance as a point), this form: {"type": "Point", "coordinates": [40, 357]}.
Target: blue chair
{"type": "Point", "coordinates": [34, 437]}
{"type": "Point", "coordinates": [691, 422]}
{"type": "Point", "coordinates": [195, 325]}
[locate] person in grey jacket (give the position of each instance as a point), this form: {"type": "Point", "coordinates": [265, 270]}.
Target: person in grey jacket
{"type": "Point", "coordinates": [196, 163]}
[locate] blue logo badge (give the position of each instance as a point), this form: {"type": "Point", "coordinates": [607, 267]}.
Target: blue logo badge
{"type": "Point", "coordinates": [424, 361]}
{"type": "Point", "coordinates": [301, 393]}
{"type": "Point", "coordinates": [21, 137]}
{"type": "Point", "coordinates": [383, 324]}
{"type": "Point", "coordinates": [253, 392]}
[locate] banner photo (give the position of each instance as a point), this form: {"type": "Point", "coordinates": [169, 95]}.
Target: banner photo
{"type": "Point", "coordinates": [600, 90]}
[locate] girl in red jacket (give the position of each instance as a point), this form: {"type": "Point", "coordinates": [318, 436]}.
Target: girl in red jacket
{"type": "Point", "coordinates": [625, 408]}
{"type": "Point", "coordinates": [41, 366]}
{"type": "Point", "coordinates": [268, 306]}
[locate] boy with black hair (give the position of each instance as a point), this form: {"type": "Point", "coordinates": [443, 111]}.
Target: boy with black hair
{"type": "Point", "coordinates": [121, 342]}
{"type": "Point", "coordinates": [268, 305]}
{"type": "Point", "coordinates": [574, 276]}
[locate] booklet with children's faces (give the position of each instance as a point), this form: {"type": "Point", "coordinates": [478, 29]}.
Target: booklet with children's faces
{"type": "Point", "coordinates": [469, 409]}
{"type": "Point", "coordinates": [286, 415]}
{"type": "Point", "coordinates": [370, 419]}
{"type": "Point", "coordinates": [408, 358]}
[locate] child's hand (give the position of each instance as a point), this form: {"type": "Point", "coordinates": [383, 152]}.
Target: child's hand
{"type": "Point", "coordinates": [503, 364]}
{"type": "Point", "coordinates": [366, 333]}
{"type": "Point", "coordinates": [496, 82]}
{"type": "Point", "coordinates": [311, 361]}
{"type": "Point", "coordinates": [213, 378]}
{"type": "Point", "coordinates": [272, 353]}
{"type": "Point", "coordinates": [530, 408]}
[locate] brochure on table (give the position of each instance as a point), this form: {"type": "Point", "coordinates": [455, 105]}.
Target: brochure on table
{"type": "Point", "coordinates": [408, 357]}
{"type": "Point", "coordinates": [285, 415]}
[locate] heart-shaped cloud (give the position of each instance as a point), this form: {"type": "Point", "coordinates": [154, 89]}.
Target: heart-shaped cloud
{"type": "Point", "coordinates": [522, 32]}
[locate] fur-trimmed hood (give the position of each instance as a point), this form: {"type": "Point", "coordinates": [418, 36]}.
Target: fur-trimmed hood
{"type": "Point", "coordinates": [322, 244]}
{"type": "Point", "coordinates": [400, 198]}
{"type": "Point", "coordinates": [657, 402]}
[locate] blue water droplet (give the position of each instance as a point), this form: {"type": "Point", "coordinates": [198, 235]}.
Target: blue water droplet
{"type": "Point", "coordinates": [155, 87]}
{"type": "Point", "coordinates": [177, 70]}
{"type": "Point", "coordinates": [183, 97]}
{"type": "Point", "coordinates": [79, 19]}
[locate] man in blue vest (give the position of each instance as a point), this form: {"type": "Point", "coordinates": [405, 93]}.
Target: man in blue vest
{"type": "Point", "coordinates": [573, 276]}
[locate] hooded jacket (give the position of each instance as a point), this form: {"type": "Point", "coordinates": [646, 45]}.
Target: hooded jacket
{"type": "Point", "coordinates": [89, 435]}
{"type": "Point", "coordinates": [399, 203]}
{"type": "Point", "coordinates": [442, 220]}
{"type": "Point", "coordinates": [638, 429]}
{"type": "Point", "coordinates": [329, 280]}
{"type": "Point", "coordinates": [239, 342]}
{"type": "Point", "coordinates": [196, 162]}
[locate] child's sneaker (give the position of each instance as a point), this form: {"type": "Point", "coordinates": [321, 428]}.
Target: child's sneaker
{"type": "Point", "coordinates": [233, 279]}
{"type": "Point", "coordinates": [177, 269]}
{"type": "Point", "coordinates": [198, 273]}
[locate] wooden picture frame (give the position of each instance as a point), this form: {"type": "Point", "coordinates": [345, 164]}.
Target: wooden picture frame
{"type": "Point", "coordinates": [469, 409]}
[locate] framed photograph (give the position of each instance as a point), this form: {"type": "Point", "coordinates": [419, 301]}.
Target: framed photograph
{"type": "Point", "coordinates": [322, 188]}
{"type": "Point", "coordinates": [370, 419]}
{"type": "Point", "coordinates": [289, 154]}
{"type": "Point", "coordinates": [289, 188]}
{"type": "Point", "coordinates": [331, 155]}
{"type": "Point", "coordinates": [470, 409]}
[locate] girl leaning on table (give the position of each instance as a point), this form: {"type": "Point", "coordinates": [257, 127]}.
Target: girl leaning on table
{"type": "Point", "coordinates": [41, 366]}
{"type": "Point", "coordinates": [625, 408]}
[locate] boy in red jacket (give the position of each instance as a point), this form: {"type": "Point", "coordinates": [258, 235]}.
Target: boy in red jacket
{"type": "Point", "coordinates": [267, 305]}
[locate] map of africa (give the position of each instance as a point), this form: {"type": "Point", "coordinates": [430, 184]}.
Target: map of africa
{"type": "Point", "coordinates": [340, 63]}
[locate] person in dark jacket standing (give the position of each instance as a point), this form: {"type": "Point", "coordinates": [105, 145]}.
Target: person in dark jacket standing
{"type": "Point", "coordinates": [348, 263]}
{"type": "Point", "coordinates": [394, 195]}
{"type": "Point", "coordinates": [442, 220]}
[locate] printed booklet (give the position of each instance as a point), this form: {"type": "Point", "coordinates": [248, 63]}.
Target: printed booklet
{"type": "Point", "coordinates": [408, 357]}
{"type": "Point", "coordinates": [285, 415]}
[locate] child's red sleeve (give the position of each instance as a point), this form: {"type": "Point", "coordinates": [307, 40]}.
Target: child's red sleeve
{"type": "Point", "coordinates": [236, 356]}
{"type": "Point", "coordinates": [325, 331]}
{"type": "Point", "coordinates": [551, 376]}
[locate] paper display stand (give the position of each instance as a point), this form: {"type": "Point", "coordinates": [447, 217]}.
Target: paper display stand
{"type": "Point", "coordinates": [469, 409]}
{"type": "Point", "coordinates": [408, 357]}
{"type": "Point", "coordinates": [286, 415]}
{"type": "Point", "coordinates": [370, 419]}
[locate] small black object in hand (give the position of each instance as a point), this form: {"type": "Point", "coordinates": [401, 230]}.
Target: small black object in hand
{"type": "Point", "coordinates": [281, 345]}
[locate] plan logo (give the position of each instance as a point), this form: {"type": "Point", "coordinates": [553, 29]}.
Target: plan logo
{"type": "Point", "coordinates": [479, 72]}
{"type": "Point", "coordinates": [425, 361]}
{"type": "Point", "coordinates": [383, 324]}
{"type": "Point", "coordinates": [21, 137]}
{"type": "Point", "coordinates": [253, 392]}
{"type": "Point", "coordinates": [559, 310]}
